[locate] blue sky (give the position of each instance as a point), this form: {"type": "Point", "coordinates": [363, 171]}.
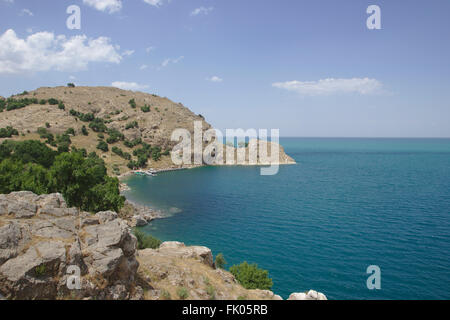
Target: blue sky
{"type": "Point", "coordinates": [249, 64]}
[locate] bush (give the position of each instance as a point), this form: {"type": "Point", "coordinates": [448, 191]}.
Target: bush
{"type": "Point", "coordinates": [121, 154]}
{"type": "Point", "coordinates": [182, 293]}
{"type": "Point", "coordinates": [71, 85]}
{"type": "Point", "coordinates": [102, 145]}
{"type": "Point", "coordinates": [132, 125]}
{"type": "Point", "coordinates": [114, 136]}
{"type": "Point", "coordinates": [98, 125]}
{"type": "Point", "coordinates": [220, 261]}
{"type": "Point", "coordinates": [53, 101]}
{"type": "Point", "coordinates": [145, 108]}
{"type": "Point", "coordinates": [251, 277]}
{"type": "Point", "coordinates": [71, 131]}
{"type": "Point", "coordinates": [8, 132]}
{"type": "Point", "coordinates": [146, 241]}
{"type": "Point", "coordinates": [84, 131]}
{"type": "Point", "coordinates": [132, 103]}
{"type": "Point", "coordinates": [61, 106]}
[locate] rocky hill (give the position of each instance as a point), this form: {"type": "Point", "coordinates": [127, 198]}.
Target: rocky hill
{"type": "Point", "coordinates": [42, 242]}
{"type": "Point", "coordinates": [136, 115]}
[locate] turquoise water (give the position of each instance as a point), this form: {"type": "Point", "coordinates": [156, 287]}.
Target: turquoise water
{"type": "Point", "coordinates": [347, 204]}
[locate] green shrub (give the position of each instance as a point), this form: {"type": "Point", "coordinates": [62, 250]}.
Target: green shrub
{"type": "Point", "coordinates": [98, 125]}
{"type": "Point", "coordinates": [71, 131]}
{"type": "Point", "coordinates": [182, 293]}
{"type": "Point", "coordinates": [146, 241]}
{"type": "Point", "coordinates": [114, 136]}
{"type": "Point", "coordinates": [220, 261]}
{"type": "Point", "coordinates": [39, 271]}
{"type": "Point", "coordinates": [53, 101]}
{"type": "Point", "coordinates": [251, 277]}
{"type": "Point", "coordinates": [211, 291]}
{"type": "Point", "coordinates": [132, 103]}
{"type": "Point", "coordinates": [8, 132]}
{"type": "Point", "coordinates": [61, 106]}
{"type": "Point", "coordinates": [102, 145]}
{"type": "Point", "coordinates": [145, 108]}
{"type": "Point", "coordinates": [71, 85]}
{"type": "Point", "coordinates": [165, 295]}
{"type": "Point", "coordinates": [84, 131]}
{"type": "Point", "coordinates": [132, 125]}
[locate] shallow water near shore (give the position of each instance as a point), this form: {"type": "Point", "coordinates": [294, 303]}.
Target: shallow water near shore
{"type": "Point", "coordinates": [347, 204]}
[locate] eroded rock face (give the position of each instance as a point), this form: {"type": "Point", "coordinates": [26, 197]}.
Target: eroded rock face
{"type": "Point", "coordinates": [40, 238]}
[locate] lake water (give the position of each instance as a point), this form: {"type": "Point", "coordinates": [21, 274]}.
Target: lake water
{"type": "Point", "coordinates": [347, 204]}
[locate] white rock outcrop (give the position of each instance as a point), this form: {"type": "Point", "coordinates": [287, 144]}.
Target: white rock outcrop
{"type": "Point", "coordinates": [310, 295]}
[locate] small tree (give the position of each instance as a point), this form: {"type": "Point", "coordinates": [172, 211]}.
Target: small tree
{"type": "Point", "coordinates": [102, 145]}
{"type": "Point", "coordinates": [84, 131]}
{"type": "Point", "coordinates": [71, 85]}
{"type": "Point", "coordinates": [146, 241]}
{"type": "Point", "coordinates": [251, 277]}
{"type": "Point", "coordinates": [220, 261]}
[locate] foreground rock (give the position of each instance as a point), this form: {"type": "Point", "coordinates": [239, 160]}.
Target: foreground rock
{"type": "Point", "coordinates": [175, 267]}
{"type": "Point", "coordinates": [41, 239]}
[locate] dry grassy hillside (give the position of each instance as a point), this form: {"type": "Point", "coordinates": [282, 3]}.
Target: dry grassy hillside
{"type": "Point", "coordinates": [110, 104]}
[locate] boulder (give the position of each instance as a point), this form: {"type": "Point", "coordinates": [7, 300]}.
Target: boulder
{"type": "Point", "coordinates": [40, 238]}
{"type": "Point", "coordinates": [310, 295]}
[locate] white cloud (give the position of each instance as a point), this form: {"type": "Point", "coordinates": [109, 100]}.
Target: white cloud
{"type": "Point", "coordinates": [149, 49]}
{"type": "Point", "coordinates": [128, 85]}
{"type": "Point", "coordinates": [214, 79]}
{"type": "Point", "coordinates": [143, 67]}
{"type": "Point", "coordinates": [168, 61]}
{"type": "Point", "coordinates": [156, 3]}
{"type": "Point", "coordinates": [128, 52]}
{"type": "Point", "coordinates": [26, 12]}
{"type": "Point", "coordinates": [332, 86]}
{"type": "Point", "coordinates": [105, 5]}
{"type": "Point", "coordinates": [202, 10]}
{"type": "Point", "coordinates": [43, 51]}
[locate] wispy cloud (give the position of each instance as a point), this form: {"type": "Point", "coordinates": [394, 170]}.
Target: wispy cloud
{"type": "Point", "coordinates": [129, 85]}
{"type": "Point", "coordinates": [45, 51]}
{"type": "Point", "coordinates": [214, 79]}
{"type": "Point", "coordinates": [168, 61]}
{"type": "Point", "coordinates": [143, 67]}
{"type": "Point", "coordinates": [149, 49]}
{"type": "Point", "coordinates": [105, 5]}
{"type": "Point", "coordinates": [128, 52]}
{"type": "Point", "coordinates": [155, 3]}
{"type": "Point", "coordinates": [331, 86]}
{"type": "Point", "coordinates": [26, 12]}
{"type": "Point", "coordinates": [202, 10]}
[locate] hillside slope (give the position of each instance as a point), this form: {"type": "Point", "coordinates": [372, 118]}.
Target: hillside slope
{"type": "Point", "coordinates": [113, 106]}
